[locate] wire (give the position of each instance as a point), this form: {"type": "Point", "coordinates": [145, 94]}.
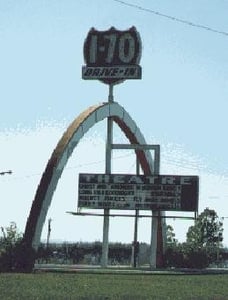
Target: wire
{"type": "Point", "coordinates": [98, 161]}
{"type": "Point", "coordinates": [172, 18]}
{"type": "Point", "coordinates": [72, 167]}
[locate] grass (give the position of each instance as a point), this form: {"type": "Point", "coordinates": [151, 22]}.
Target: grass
{"type": "Point", "coordinates": [112, 286]}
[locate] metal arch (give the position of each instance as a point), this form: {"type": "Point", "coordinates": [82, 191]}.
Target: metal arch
{"type": "Point", "coordinates": [64, 149]}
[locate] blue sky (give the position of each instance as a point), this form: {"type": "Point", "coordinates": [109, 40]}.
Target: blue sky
{"type": "Point", "coordinates": [181, 102]}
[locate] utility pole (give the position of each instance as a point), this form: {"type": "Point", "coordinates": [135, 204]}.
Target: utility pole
{"type": "Point", "coordinates": [49, 232]}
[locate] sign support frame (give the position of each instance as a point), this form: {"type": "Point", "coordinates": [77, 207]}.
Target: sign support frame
{"type": "Point", "coordinates": [108, 170]}
{"type": "Point", "coordinates": [157, 234]}
{"type": "Point", "coordinates": [127, 215]}
{"type": "Point", "coordinates": [135, 242]}
{"type": "Point", "coordinates": [155, 219]}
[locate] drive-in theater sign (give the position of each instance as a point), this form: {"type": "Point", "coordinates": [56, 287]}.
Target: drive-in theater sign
{"type": "Point", "coordinates": [112, 56]}
{"type": "Point", "coordinates": [130, 192]}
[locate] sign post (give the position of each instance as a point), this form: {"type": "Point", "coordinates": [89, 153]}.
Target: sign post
{"type": "Point", "coordinates": [135, 242]}
{"type": "Point", "coordinates": [108, 170]}
{"type": "Point", "coordinates": [111, 56]}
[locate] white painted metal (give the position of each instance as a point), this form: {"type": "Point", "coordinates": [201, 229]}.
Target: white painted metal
{"type": "Point", "coordinates": [154, 221]}
{"type": "Point", "coordinates": [66, 145]}
{"type": "Point", "coordinates": [108, 170]}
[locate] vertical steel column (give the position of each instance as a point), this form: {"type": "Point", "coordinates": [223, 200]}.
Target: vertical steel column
{"type": "Point", "coordinates": [135, 242]}
{"type": "Point", "coordinates": [153, 240]}
{"type": "Point", "coordinates": [108, 167]}
{"type": "Point", "coordinates": [155, 218]}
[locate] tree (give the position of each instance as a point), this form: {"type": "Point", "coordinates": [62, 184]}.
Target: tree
{"type": "Point", "coordinates": [10, 234]}
{"type": "Point", "coordinates": [202, 245]}
{"type": "Point", "coordinates": [207, 231]}
{"type": "Point", "coordinates": [170, 235]}
{"type": "Point", "coordinates": [207, 235]}
{"type": "Point", "coordinates": [8, 243]}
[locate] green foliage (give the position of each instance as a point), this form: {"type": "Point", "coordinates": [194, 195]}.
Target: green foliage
{"type": "Point", "coordinates": [10, 235]}
{"type": "Point", "coordinates": [23, 258]}
{"type": "Point", "coordinates": [14, 254]}
{"type": "Point", "coordinates": [185, 256]}
{"type": "Point", "coordinates": [207, 231]}
{"type": "Point", "coordinates": [78, 252]}
{"type": "Point", "coordinates": [8, 243]}
{"type": "Point", "coordinates": [170, 235]}
{"type": "Point", "coordinates": [203, 242]}
{"type": "Point", "coordinates": [174, 257]}
{"type": "Point", "coordinates": [120, 253]}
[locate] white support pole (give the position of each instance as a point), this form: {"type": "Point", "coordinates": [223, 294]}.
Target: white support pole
{"type": "Point", "coordinates": [108, 167]}
{"type": "Point", "coordinates": [153, 241]}
{"type": "Point", "coordinates": [135, 241]}
{"type": "Point", "coordinates": [104, 259]}
{"type": "Point", "coordinates": [154, 219]}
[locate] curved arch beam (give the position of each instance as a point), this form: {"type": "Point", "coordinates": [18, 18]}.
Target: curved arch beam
{"type": "Point", "coordinates": [63, 151]}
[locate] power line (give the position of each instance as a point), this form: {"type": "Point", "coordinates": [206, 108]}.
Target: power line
{"type": "Point", "coordinates": [186, 22]}
{"type": "Point", "coordinates": [99, 161]}
{"type": "Point", "coordinates": [70, 167]}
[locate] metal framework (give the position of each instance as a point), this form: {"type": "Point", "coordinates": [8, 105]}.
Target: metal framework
{"type": "Point", "coordinates": [128, 215]}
